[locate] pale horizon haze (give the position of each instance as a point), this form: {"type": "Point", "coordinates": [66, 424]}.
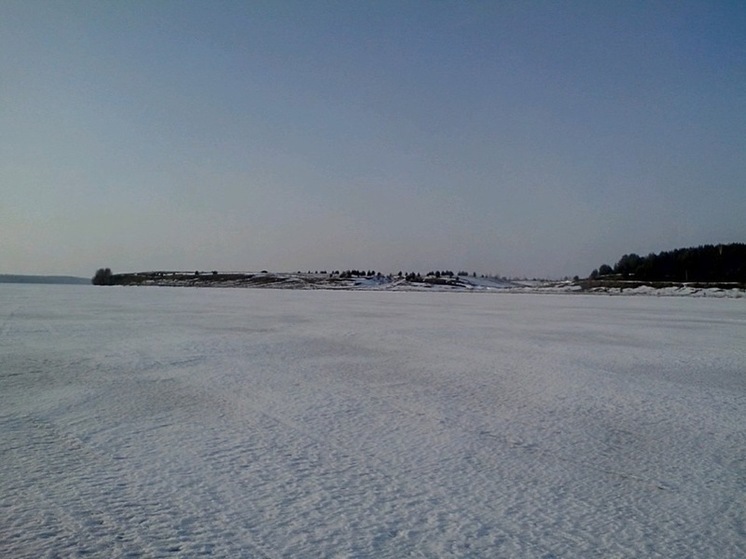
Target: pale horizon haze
{"type": "Point", "coordinates": [536, 139]}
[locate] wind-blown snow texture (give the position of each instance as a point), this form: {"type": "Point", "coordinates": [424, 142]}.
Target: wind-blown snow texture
{"type": "Point", "coordinates": [246, 423]}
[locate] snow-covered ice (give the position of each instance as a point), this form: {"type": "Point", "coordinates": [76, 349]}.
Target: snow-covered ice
{"type": "Point", "coordinates": [179, 422]}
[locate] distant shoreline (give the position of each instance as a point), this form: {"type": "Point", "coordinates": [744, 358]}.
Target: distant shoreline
{"type": "Point", "coordinates": [379, 282]}
{"type": "Point", "coordinates": [61, 280]}
{"type": "Point", "coordinates": [462, 284]}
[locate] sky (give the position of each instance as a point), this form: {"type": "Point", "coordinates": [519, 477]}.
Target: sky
{"type": "Point", "coordinates": [519, 138]}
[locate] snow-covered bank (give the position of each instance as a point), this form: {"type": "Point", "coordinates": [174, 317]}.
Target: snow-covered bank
{"type": "Point", "coordinates": [300, 280]}
{"type": "Point", "coordinates": [429, 283]}
{"type": "Point", "coordinates": [255, 423]}
{"type": "Point", "coordinates": [683, 290]}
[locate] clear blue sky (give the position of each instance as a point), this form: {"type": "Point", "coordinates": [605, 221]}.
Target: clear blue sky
{"type": "Point", "coordinates": [512, 137]}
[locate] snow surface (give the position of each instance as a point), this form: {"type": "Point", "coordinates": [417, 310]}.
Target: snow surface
{"type": "Point", "coordinates": [157, 422]}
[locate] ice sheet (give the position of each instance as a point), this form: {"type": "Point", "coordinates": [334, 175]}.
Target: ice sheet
{"type": "Point", "coordinates": [181, 422]}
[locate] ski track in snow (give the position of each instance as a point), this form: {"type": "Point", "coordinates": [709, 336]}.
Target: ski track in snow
{"type": "Point", "coordinates": [273, 424]}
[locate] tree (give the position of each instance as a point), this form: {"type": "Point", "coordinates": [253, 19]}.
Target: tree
{"type": "Point", "coordinates": [605, 270]}
{"type": "Point", "coordinates": [103, 276]}
{"type": "Point", "coordinates": [628, 265]}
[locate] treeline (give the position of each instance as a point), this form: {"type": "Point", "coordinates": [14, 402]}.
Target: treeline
{"type": "Point", "coordinates": [347, 274]}
{"type": "Point", "coordinates": [707, 263]}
